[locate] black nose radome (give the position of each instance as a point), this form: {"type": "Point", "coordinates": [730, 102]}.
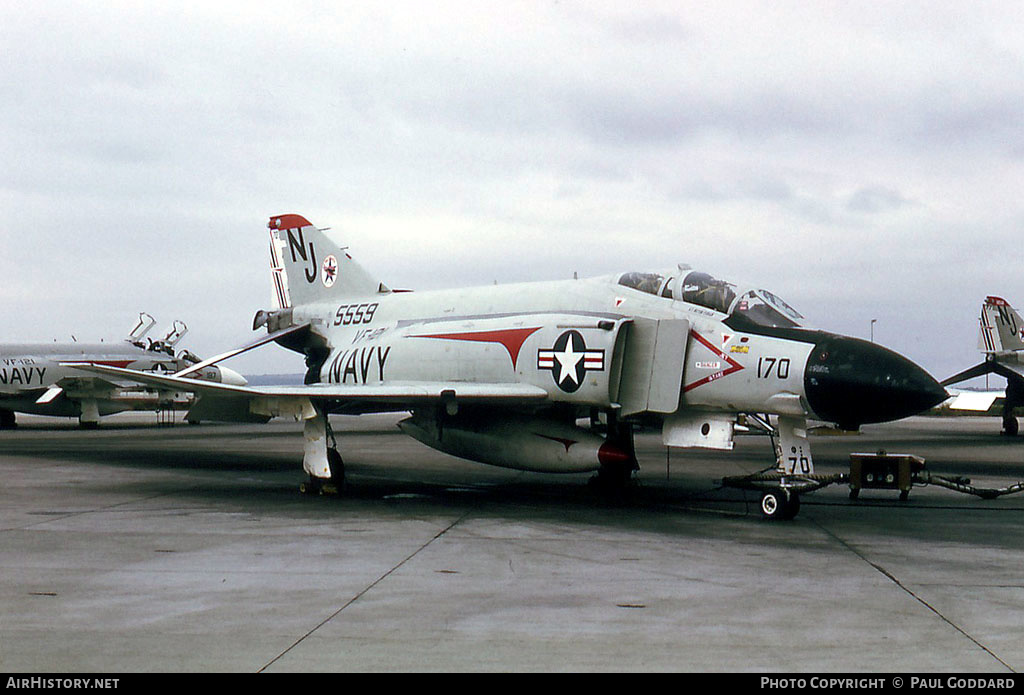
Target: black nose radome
{"type": "Point", "coordinates": [852, 382]}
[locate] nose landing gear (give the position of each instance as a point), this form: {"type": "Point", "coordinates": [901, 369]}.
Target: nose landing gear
{"type": "Point", "coordinates": [780, 504]}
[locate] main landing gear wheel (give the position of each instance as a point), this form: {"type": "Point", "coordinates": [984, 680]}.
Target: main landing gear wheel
{"type": "Point", "coordinates": [618, 460]}
{"type": "Point", "coordinates": [337, 467]}
{"type": "Point", "coordinates": [334, 485]}
{"type": "Point", "coordinates": [780, 504]}
{"type": "Point", "coordinates": [1010, 426]}
{"type": "Point", "coordinates": [613, 480]}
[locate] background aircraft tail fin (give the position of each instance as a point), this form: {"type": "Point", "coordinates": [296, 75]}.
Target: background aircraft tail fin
{"type": "Point", "coordinates": [307, 265]}
{"type": "Point", "coordinates": [1001, 327]}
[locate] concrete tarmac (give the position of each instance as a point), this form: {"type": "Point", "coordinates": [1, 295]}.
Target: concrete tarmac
{"type": "Point", "coordinates": [146, 548]}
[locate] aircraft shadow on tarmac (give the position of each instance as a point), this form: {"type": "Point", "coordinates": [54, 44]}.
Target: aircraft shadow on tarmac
{"type": "Point", "coordinates": [263, 467]}
{"type": "Point", "coordinates": [258, 468]}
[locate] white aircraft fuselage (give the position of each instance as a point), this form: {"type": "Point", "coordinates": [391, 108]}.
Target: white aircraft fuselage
{"type": "Point", "coordinates": [504, 374]}
{"type": "Point", "coordinates": [588, 345]}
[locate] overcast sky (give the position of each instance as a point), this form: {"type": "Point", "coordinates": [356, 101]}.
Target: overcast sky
{"type": "Point", "coordinates": [862, 160]}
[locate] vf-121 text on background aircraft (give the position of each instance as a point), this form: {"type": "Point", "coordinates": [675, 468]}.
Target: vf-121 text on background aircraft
{"type": "Point", "coordinates": [502, 374]}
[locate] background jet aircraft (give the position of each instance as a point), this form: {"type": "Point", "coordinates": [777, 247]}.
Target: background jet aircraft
{"type": "Point", "coordinates": [505, 374]}
{"type": "Point", "coordinates": [40, 379]}
{"type": "Point", "coordinates": [1001, 338]}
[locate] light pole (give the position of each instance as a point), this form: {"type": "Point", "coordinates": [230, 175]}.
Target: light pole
{"type": "Point", "coordinates": [873, 330]}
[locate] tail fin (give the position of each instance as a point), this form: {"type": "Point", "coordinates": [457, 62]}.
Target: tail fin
{"type": "Point", "coordinates": [1001, 327]}
{"type": "Point", "coordinates": [308, 266]}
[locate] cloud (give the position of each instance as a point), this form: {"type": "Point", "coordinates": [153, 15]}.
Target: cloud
{"type": "Point", "coordinates": [876, 199]}
{"type": "Point", "coordinates": [144, 148]}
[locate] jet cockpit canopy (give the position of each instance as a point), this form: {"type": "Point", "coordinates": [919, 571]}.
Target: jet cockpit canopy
{"type": "Point", "coordinates": [759, 306]}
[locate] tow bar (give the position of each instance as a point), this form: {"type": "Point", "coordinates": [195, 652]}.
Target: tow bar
{"type": "Point", "coordinates": [878, 471]}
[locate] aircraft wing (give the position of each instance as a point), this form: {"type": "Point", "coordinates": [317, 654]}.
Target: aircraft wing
{"type": "Point", "coordinates": [391, 393]}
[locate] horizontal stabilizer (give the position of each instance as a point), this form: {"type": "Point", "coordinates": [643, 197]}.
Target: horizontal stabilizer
{"type": "Point", "coordinates": [986, 367]}
{"type": "Point", "coordinates": [262, 340]}
{"type": "Point", "coordinates": [1008, 370]}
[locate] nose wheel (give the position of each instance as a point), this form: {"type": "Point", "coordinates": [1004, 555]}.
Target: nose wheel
{"type": "Point", "coordinates": [780, 504]}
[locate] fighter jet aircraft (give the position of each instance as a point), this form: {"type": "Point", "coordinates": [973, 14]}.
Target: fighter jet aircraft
{"type": "Point", "coordinates": [39, 379]}
{"type": "Point", "coordinates": [1001, 338]}
{"type": "Point", "coordinates": [505, 374]}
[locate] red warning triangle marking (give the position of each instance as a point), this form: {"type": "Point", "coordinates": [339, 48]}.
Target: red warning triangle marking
{"type": "Point", "coordinates": [733, 367]}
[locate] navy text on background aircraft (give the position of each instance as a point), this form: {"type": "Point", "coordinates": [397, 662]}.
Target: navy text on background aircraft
{"type": "Point", "coordinates": [1001, 338]}
{"type": "Point", "coordinates": [504, 374]}
{"type": "Point", "coordinates": [39, 378]}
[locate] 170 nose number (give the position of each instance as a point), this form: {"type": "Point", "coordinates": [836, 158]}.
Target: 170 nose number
{"type": "Point", "coordinates": [769, 366]}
